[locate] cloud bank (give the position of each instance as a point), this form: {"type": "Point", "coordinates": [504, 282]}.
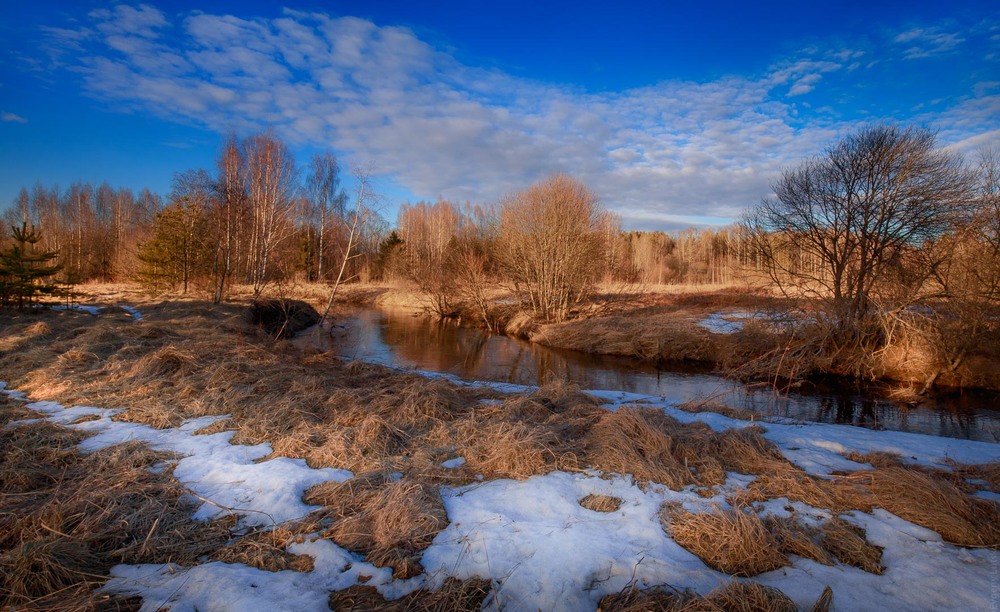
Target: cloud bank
{"type": "Point", "coordinates": [671, 153]}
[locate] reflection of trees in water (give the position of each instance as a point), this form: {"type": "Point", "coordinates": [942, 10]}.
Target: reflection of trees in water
{"type": "Point", "coordinates": [444, 346]}
{"type": "Point", "coordinates": [848, 410]}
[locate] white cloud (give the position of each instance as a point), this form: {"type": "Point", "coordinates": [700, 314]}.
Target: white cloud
{"type": "Point", "coordinates": [12, 118]}
{"type": "Point", "coordinates": [805, 85]}
{"type": "Point", "coordinates": [677, 150]}
{"type": "Point", "coordinates": [925, 42]}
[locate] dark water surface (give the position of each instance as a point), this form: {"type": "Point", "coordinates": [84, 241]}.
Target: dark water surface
{"type": "Point", "coordinates": [405, 340]}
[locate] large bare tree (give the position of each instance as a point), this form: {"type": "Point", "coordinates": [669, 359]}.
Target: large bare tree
{"type": "Point", "coordinates": [844, 224]}
{"type": "Point", "coordinates": [551, 244]}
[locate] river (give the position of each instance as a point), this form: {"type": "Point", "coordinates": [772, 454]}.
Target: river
{"type": "Point", "coordinates": [405, 340]}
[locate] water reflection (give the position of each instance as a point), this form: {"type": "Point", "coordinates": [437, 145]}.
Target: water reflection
{"type": "Point", "coordinates": [402, 339]}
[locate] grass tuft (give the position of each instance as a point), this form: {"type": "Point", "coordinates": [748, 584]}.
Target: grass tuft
{"type": "Point", "coordinates": [731, 541]}
{"type": "Point", "coordinates": [601, 503]}
{"type": "Point", "coordinates": [848, 544]}
{"type": "Point", "coordinates": [453, 596]}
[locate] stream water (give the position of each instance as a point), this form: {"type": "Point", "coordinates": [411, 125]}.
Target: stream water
{"type": "Point", "coordinates": [405, 340]}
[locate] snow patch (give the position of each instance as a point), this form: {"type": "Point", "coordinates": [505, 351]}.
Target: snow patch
{"type": "Point", "coordinates": [226, 478]}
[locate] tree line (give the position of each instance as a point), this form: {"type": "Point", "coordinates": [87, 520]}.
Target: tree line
{"type": "Point", "coordinates": [258, 218]}
{"type": "Point", "coordinates": [882, 212]}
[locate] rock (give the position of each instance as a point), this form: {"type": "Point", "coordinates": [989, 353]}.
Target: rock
{"type": "Point", "coordinates": [282, 318]}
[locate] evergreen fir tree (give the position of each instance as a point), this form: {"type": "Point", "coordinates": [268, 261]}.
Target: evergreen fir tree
{"type": "Point", "coordinates": [24, 269]}
{"type": "Point", "coordinates": [178, 251]}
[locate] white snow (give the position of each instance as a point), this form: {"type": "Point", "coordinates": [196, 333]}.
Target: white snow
{"type": "Point", "coordinates": [132, 310]}
{"type": "Point", "coordinates": [226, 477]}
{"type": "Point", "coordinates": [451, 464]}
{"type": "Point", "coordinates": [724, 322]}
{"type": "Point", "coordinates": [532, 538]}
{"type": "Point", "coordinates": [95, 310]}
{"type": "Point", "coordinates": [92, 310]}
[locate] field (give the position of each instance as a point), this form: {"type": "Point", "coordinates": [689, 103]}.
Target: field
{"type": "Point", "coordinates": [185, 460]}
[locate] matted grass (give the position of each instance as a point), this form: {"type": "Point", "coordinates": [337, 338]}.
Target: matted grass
{"type": "Point", "coordinates": [453, 596]}
{"type": "Point", "coordinates": [934, 503]}
{"type": "Point", "coordinates": [735, 596]}
{"type": "Point", "coordinates": [848, 544]}
{"type": "Point", "coordinates": [389, 521]}
{"type": "Point", "coordinates": [66, 518]}
{"type": "Point", "coordinates": [265, 550]}
{"type": "Point", "coordinates": [731, 541]}
{"type": "Point", "coordinates": [601, 503]}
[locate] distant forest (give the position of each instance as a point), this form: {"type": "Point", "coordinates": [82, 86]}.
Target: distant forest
{"type": "Point", "coordinates": [260, 217]}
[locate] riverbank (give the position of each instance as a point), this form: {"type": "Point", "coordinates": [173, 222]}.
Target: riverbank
{"type": "Point", "coordinates": [747, 334]}
{"type": "Point", "coordinates": [410, 468]}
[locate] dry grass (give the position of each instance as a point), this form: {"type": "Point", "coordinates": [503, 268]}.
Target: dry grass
{"type": "Point", "coordinates": [987, 472]}
{"type": "Point", "coordinates": [657, 599]}
{"type": "Point", "coordinates": [736, 596]}
{"type": "Point", "coordinates": [711, 406]}
{"type": "Point", "coordinates": [66, 518]}
{"type": "Point", "coordinates": [848, 544]}
{"type": "Point", "coordinates": [652, 446]}
{"type": "Point", "coordinates": [390, 522]}
{"type": "Point", "coordinates": [601, 503]}
{"type": "Point", "coordinates": [731, 541]}
{"type": "Point", "coordinates": [507, 450]}
{"type": "Point", "coordinates": [454, 595]}
{"type": "Point", "coordinates": [934, 503]}
{"type": "Point", "coordinates": [747, 596]}
{"type": "Point", "coordinates": [636, 441]}
{"type": "Point", "coordinates": [652, 337]}
{"type": "Point", "coordinates": [265, 550]}
{"type": "Point", "coordinates": [189, 359]}
{"type": "Point", "coordinates": [877, 459]}
{"type": "Point", "coordinates": [837, 495]}
{"type": "Point", "coordinates": [794, 538]}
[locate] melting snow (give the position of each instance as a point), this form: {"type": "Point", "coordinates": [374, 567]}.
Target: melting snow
{"type": "Point", "coordinates": [541, 549]}
{"type": "Point", "coordinates": [95, 310]}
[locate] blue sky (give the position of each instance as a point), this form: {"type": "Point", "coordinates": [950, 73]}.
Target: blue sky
{"type": "Point", "coordinates": [674, 113]}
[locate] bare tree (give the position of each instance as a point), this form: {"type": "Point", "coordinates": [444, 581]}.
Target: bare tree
{"type": "Point", "coordinates": [354, 222]}
{"type": "Point", "coordinates": [270, 186]}
{"type": "Point", "coordinates": [843, 225]}
{"type": "Point", "coordinates": [228, 215]}
{"type": "Point", "coordinates": [327, 198]}
{"type": "Point", "coordinates": [551, 244]}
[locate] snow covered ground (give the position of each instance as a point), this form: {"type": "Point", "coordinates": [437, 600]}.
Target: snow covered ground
{"type": "Point", "coordinates": [533, 539]}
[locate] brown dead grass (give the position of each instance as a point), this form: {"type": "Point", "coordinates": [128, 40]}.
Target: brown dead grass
{"type": "Point", "coordinates": [731, 541]}
{"type": "Point", "coordinates": [652, 446]}
{"type": "Point", "coordinates": [188, 359]}
{"type": "Point", "coordinates": [848, 544]}
{"type": "Point", "coordinates": [718, 408]}
{"type": "Point", "coordinates": [745, 596]}
{"type": "Point", "coordinates": [794, 538]}
{"type": "Point", "coordinates": [736, 596]}
{"type": "Point", "coordinates": [877, 459]}
{"type": "Point", "coordinates": [601, 503]}
{"type": "Point", "coordinates": [391, 522]}
{"type": "Point", "coordinates": [454, 595]}
{"type": "Point", "coordinates": [934, 503]}
{"type": "Point", "coordinates": [987, 472]}
{"type": "Point", "coordinates": [66, 518]}
{"type": "Point", "coordinates": [265, 550]}
{"type": "Point", "coordinates": [659, 337]}
{"type": "Point", "coordinates": [837, 495]}
{"type": "Point", "coordinates": [636, 441]}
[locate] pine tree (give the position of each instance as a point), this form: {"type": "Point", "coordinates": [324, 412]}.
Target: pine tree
{"type": "Point", "coordinates": [178, 251]}
{"type": "Point", "coordinates": [24, 269]}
